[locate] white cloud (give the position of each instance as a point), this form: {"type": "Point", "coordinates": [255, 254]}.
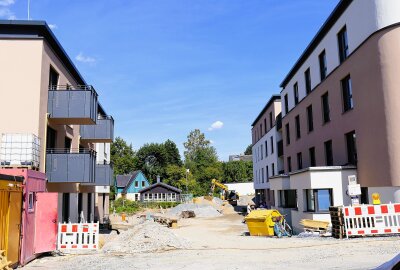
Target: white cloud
{"type": "Point", "coordinates": [85, 59]}
{"type": "Point", "coordinates": [5, 12]}
{"type": "Point", "coordinates": [212, 142]}
{"type": "Point", "coordinates": [6, 3]}
{"type": "Point", "coordinates": [216, 125]}
{"type": "Point", "coordinates": [52, 26]}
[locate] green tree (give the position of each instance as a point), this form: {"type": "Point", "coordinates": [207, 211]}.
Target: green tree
{"type": "Point", "coordinates": [172, 152]}
{"type": "Point", "coordinates": [237, 171]}
{"type": "Point", "coordinates": [152, 159]}
{"type": "Point", "coordinates": [196, 141]}
{"type": "Point", "coordinates": [249, 150]}
{"type": "Point", "coordinates": [122, 156]}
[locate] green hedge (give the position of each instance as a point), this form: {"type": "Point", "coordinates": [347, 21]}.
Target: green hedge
{"type": "Point", "coordinates": [131, 207]}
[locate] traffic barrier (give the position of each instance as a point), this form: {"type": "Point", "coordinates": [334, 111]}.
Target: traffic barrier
{"type": "Point", "coordinates": [75, 236]}
{"type": "Point", "coordinates": [372, 219]}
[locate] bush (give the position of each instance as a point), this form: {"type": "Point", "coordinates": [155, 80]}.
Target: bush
{"type": "Point", "coordinates": [131, 207]}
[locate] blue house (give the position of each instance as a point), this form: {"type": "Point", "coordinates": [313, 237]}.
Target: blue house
{"type": "Point", "coordinates": [129, 186]}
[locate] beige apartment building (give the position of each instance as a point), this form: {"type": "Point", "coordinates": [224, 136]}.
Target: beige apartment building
{"type": "Point", "coordinates": [340, 103]}
{"type": "Point", "coordinates": [44, 96]}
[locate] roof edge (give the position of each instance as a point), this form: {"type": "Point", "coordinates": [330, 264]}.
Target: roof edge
{"type": "Point", "coordinates": [340, 8]}
{"type": "Point", "coordinates": [270, 101]}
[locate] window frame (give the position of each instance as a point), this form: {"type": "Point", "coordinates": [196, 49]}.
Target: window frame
{"type": "Point", "coordinates": [311, 153]}
{"type": "Point", "coordinates": [286, 103]}
{"type": "Point", "coordinates": [307, 78]}
{"type": "Point", "coordinates": [351, 149]}
{"type": "Point", "coordinates": [289, 164]}
{"type": "Point", "coordinates": [328, 159]}
{"type": "Point", "coordinates": [326, 113]}
{"type": "Point", "coordinates": [314, 192]}
{"type": "Point", "coordinates": [343, 44]}
{"type": "Point", "coordinates": [299, 161]}
{"type": "Point", "coordinates": [296, 93]}
{"type": "Point", "coordinates": [31, 202]}
{"type": "Point", "coordinates": [323, 69]}
{"type": "Point", "coordinates": [272, 144]}
{"type": "Point", "coordinates": [283, 198]}
{"type": "Point", "coordinates": [287, 131]}
{"type": "Point", "coordinates": [297, 126]}
{"type": "Point", "coordinates": [310, 118]}
{"type": "Point", "coordinates": [347, 94]}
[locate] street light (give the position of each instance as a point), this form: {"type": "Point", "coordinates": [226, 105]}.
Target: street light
{"type": "Point", "coordinates": [187, 173]}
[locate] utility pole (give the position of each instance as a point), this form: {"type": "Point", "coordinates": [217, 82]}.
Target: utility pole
{"type": "Point", "coordinates": [187, 173]}
{"type": "Point", "coordinates": [29, 4]}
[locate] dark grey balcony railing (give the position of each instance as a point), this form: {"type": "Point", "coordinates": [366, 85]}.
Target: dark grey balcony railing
{"type": "Point", "coordinates": [70, 165]}
{"type": "Point", "coordinates": [102, 132]}
{"type": "Point", "coordinates": [280, 148]}
{"type": "Point", "coordinates": [72, 106]}
{"type": "Point", "coordinates": [104, 175]}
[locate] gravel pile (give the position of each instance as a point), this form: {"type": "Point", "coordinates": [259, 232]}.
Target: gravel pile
{"type": "Point", "coordinates": [147, 236]}
{"type": "Point", "coordinates": [199, 209]}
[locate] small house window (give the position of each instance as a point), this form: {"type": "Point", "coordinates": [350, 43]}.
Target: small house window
{"type": "Point", "coordinates": [136, 184]}
{"type": "Point", "coordinates": [143, 183]}
{"type": "Point", "coordinates": [31, 202]}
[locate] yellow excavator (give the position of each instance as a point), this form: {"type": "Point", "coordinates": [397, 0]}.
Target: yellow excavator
{"type": "Point", "coordinates": [231, 196]}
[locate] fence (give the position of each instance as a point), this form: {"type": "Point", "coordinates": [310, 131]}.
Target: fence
{"type": "Point", "coordinates": [372, 219]}
{"type": "Point", "coordinates": [78, 236]}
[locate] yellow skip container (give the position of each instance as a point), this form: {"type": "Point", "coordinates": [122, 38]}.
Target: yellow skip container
{"type": "Point", "coordinates": [260, 222]}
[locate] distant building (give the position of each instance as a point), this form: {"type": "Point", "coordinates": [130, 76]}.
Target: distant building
{"type": "Point", "coordinates": [129, 186]}
{"type": "Point", "coordinates": [160, 192]}
{"type": "Point", "coordinates": [240, 157]}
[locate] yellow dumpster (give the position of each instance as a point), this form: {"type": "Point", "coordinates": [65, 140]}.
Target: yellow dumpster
{"type": "Point", "coordinates": [260, 222]}
{"type": "Point", "coordinates": [10, 216]}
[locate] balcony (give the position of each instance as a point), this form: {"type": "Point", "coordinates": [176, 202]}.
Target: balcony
{"type": "Point", "coordinates": [68, 106]}
{"type": "Point", "coordinates": [104, 175]}
{"type": "Point", "coordinates": [102, 132]}
{"type": "Point", "coordinates": [70, 165]}
{"type": "Point", "coordinates": [279, 122]}
{"type": "Point", "coordinates": [280, 148]}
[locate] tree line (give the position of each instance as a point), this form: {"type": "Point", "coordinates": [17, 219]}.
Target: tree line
{"type": "Point", "coordinates": [193, 174]}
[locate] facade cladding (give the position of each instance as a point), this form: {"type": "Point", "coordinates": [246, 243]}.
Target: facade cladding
{"type": "Point", "coordinates": [340, 103]}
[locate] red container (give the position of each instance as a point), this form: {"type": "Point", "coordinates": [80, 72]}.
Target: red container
{"type": "Point", "coordinates": [39, 215]}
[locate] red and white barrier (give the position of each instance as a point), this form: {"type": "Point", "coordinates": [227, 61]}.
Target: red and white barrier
{"type": "Point", "coordinates": [75, 236]}
{"type": "Point", "coordinates": [372, 219]}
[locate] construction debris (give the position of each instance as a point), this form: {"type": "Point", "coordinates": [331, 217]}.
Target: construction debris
{"type": "Point", "coordinates": [147, 236]}
{"type": "Point", "coordinates": [188, 214]}
{"type": "Point", "coordinates": [200, 210]}
{"type": "Point", "coordinates": [338, 228]}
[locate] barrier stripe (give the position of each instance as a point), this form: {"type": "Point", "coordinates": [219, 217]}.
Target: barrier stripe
{"type": "Point", "coordinates": [77, 236]}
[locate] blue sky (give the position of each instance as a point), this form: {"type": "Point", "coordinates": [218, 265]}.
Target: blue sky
{"type": "Point", "coordinates": [165, 67]}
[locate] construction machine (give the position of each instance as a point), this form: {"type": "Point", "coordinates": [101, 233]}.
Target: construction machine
{"type": "Point", "coordinates": [231, 196]}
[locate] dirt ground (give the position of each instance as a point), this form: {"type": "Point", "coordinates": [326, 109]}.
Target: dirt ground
{"type": "Point", "coordinates": [221, 243]}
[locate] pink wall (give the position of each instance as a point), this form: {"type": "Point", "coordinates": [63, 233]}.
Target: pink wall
{"type": "Point", "coordinates": [33, 182]}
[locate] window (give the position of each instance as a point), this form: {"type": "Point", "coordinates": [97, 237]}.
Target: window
{"type": "Point", "coordinates": [89, 217]}
{"type": "Point", "coordinates": [347, 94]}
{"type": "Point", "coordinates": [272, 144]}
{"type": "Point", "coordinates": [299, 161]}
{"type": "Point", "coordinates": [262, 175]}
{"type": "Point", "coordinates": [287, 134]}
{"type": "Point", "coordinates": [322, 65]}
{"type": "Point", "coordinates": [289, 164]}
{"type": "Point", "coordinates": [288, 198]}
{"type": "Point", "coordinates": [273, 169]}
{"type": "Point", "coordinates": [51, 141]}
{"type": "Point", "coordinates": [270, 119]}
{"type": "Point", "coordinates": [136, 184]}
{"type": "Point", "coordinates": [343, 44]}
{"type": "Point", "coordinates": [262, 152]}
{"type": "Point", "coordinates": [310, 121]}
{"type": "Point", "coordinates": [319, 200]}
{"type": "Point", "coordinates": [267, 172]}
{"type": "Point", "coordinates": [325, 108]}
{"type": "Point", "coordinates": [31, 202]}
{"type": "Point", "coordinates": [296, 93]}
{"type": "Point", "coordinates": [265, 125]}
{"type": "Point", "coordinates": [136, 197]}
{"type": "Point", "coordinates": [143, 183]}
{"type": "Point", "coordinates": [328, 153]}
{"type": "Point", "coordinates": [261, 132]}
{"type": "Point", "coordinates": [307, 77]}
{"type": "Point", "coordinates": [351, 148]}
{"type": "Point", "coordinates": [297, 125]}
{"type": "Point", "coordinates": [65, 208]}
{"type": "Point", "coordinates": [286, 104]}
{"type": "Point", "coordinates": [266, 148]}
{"type": "Point", "coordinates": [311, 151]}
{"type": "Point", "coordinates": [53, 78]}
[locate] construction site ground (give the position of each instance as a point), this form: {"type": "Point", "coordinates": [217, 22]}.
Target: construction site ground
{"type": "Point", "coordinates": [222, 243]}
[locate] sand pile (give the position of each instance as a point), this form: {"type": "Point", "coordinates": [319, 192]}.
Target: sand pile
{"type": "Point", "coordinates": [148, 236]}
{"type": "Point", "coordinates": [201, 210]}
